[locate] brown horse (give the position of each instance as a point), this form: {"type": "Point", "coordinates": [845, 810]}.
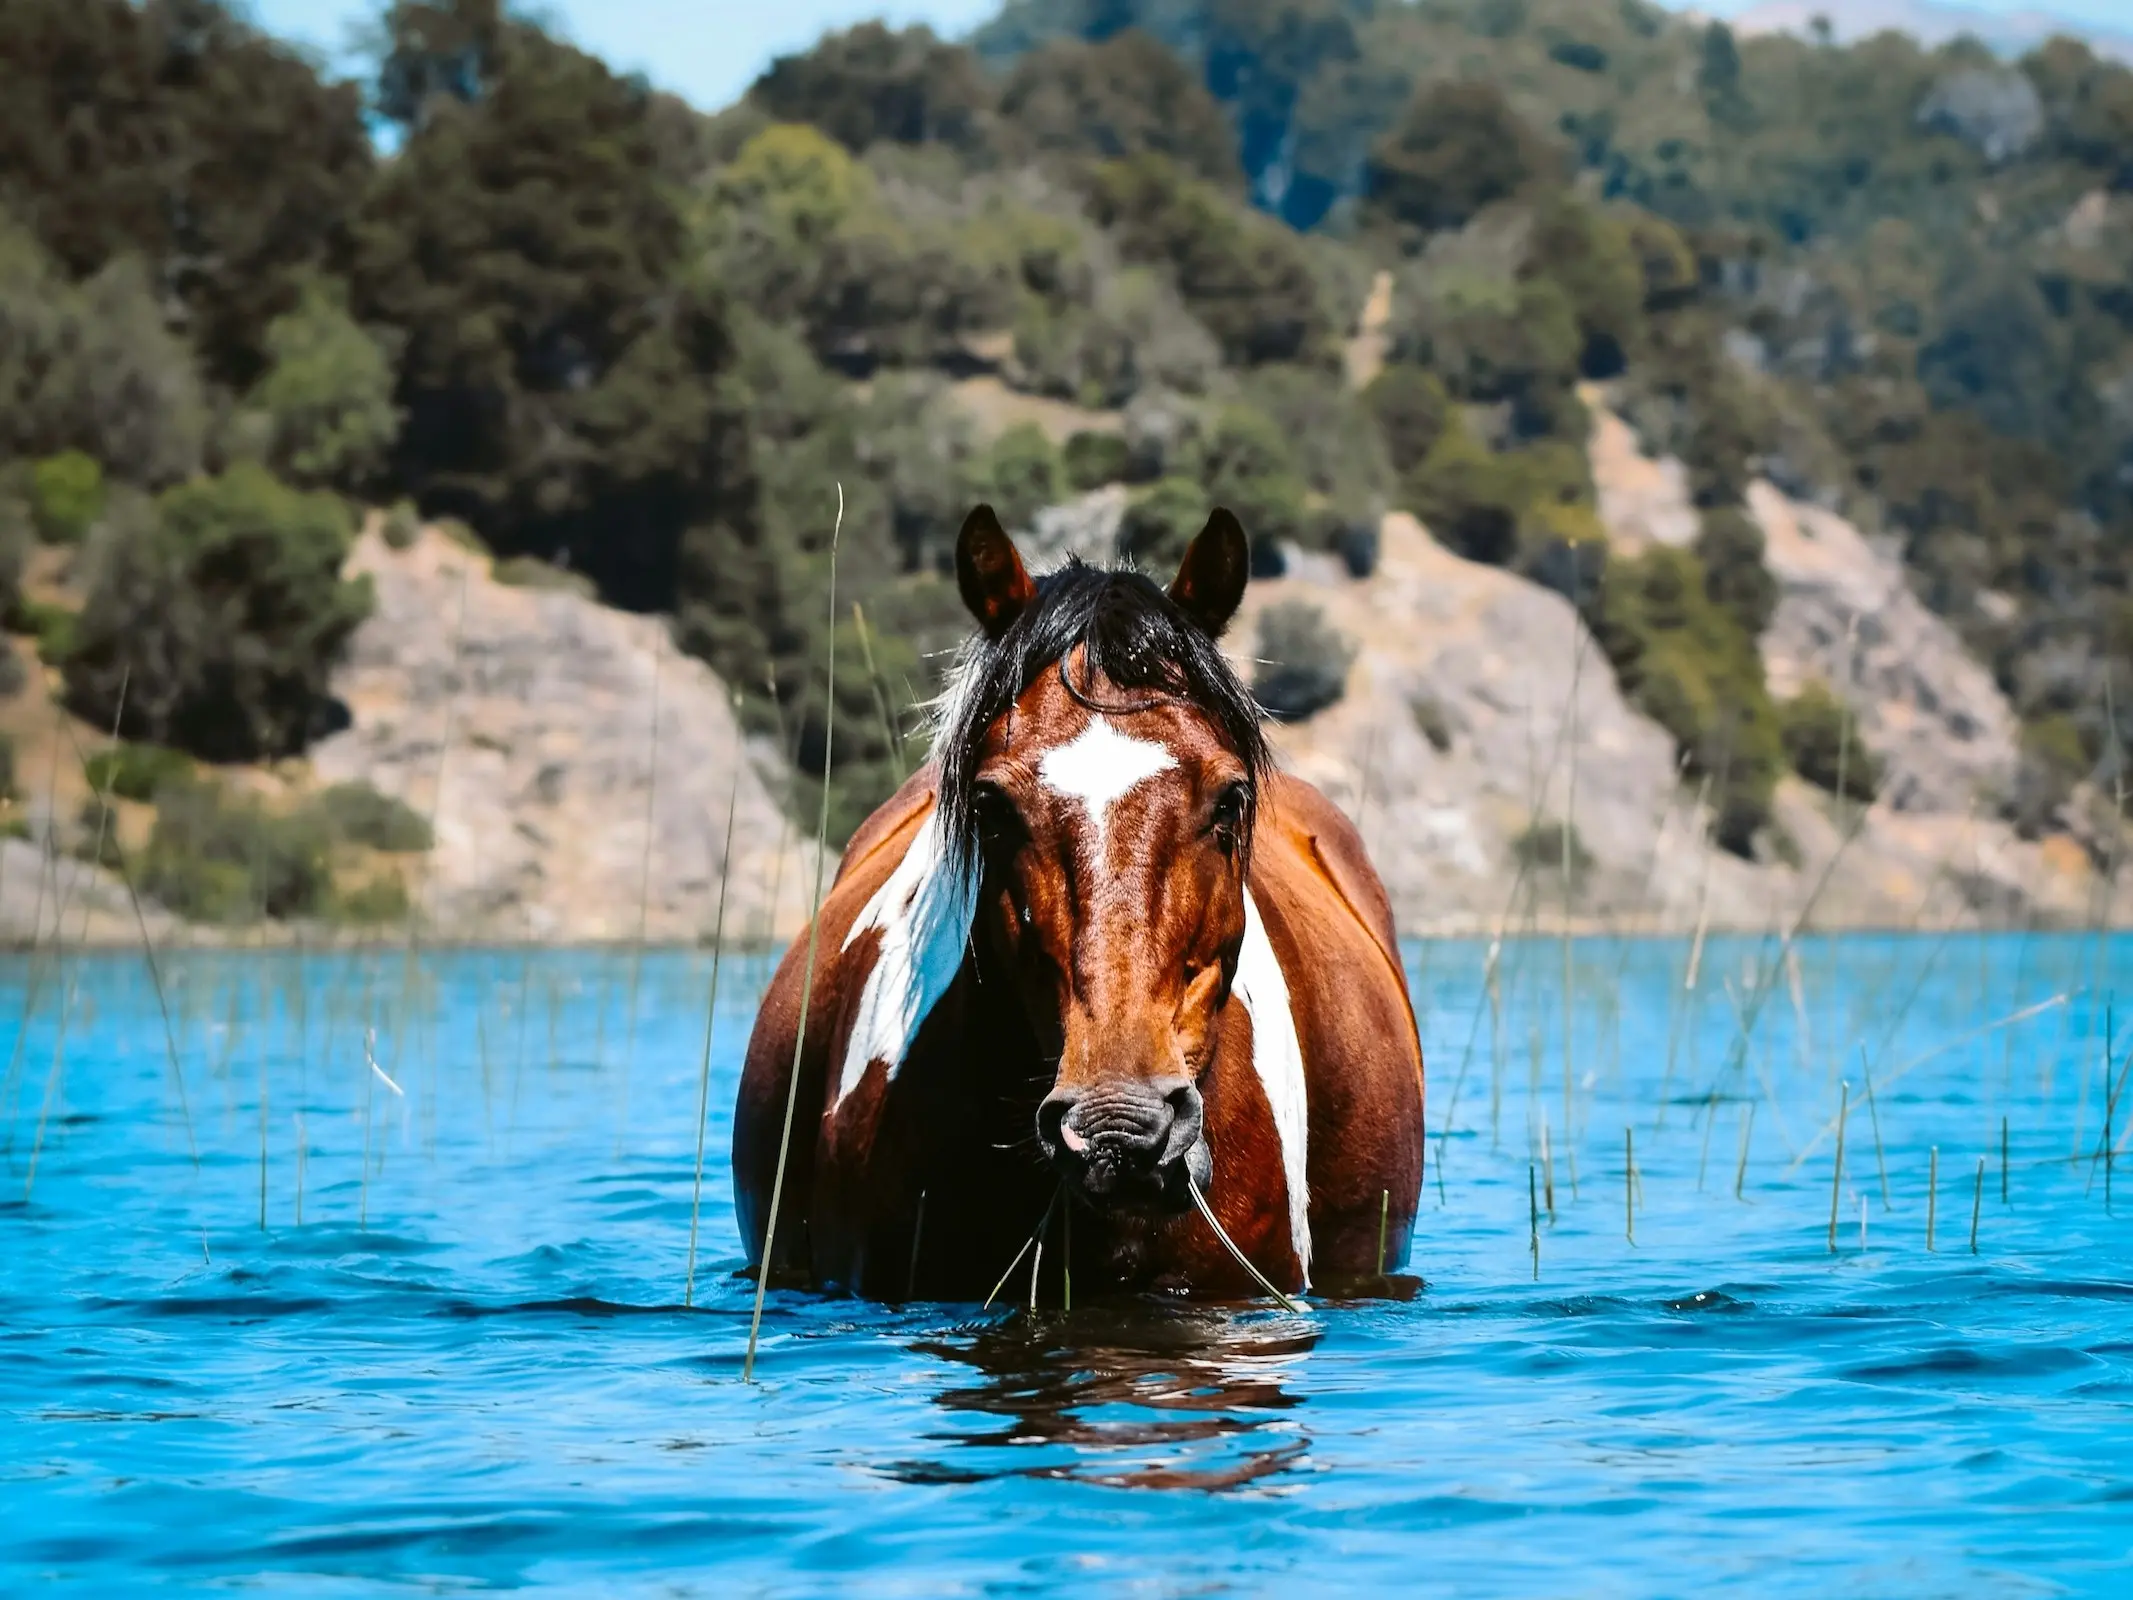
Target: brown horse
{"type": "Point", "coordinates": [1095, 956]}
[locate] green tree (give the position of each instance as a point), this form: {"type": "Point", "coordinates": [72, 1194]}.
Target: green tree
{"type": "Point", "coordinates": [66, 496]}
{"type": "Point", "coordinates": [218, 618]}
{"type": "Point", "coordinates": [1123, 96]}
{"type": "Point", "coordinates": [175, 133]}
{"type": "Point", "coordinates": [1457, 148]}
{"type": "Point", "coordinates": [559, 374]}
{"type": "Point", "coordinates": [872, 83]}
{"type": "Point", "coordinates": [325, 402]}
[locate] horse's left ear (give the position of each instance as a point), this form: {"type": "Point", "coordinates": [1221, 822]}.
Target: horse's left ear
{"type": "Point", "coordinates": [1211, 578]}
{"type": "Point", "coordinates": [989, 572]}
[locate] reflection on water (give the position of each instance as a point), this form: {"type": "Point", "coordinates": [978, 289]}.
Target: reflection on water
{"type": "Point", "coordinates": [1141, 1395]}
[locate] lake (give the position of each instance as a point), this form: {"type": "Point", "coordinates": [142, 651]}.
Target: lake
{"type": "Point", "coordinates": [272, 1315]}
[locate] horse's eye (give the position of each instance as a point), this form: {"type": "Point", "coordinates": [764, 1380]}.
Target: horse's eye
{"type": "Point", "coordinates": [1227, 823]}
{"type": "Point", "coordinates": [994, 813]}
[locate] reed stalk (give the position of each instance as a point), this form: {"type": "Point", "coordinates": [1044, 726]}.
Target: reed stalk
{"type": "Point", "coordinates": [1066, 1247]}
{"type": "Point", "coordinates": [889, 731]}
{"type": "Point", "coordinates": [1873, 1113]}
{"type": "Point", "coordinates": [302, 1159]}
{"type": "Point", "coordinates": [703, 1076]}
{"type": "Point", "coordinates": [1932, 1190]}
{"type": "Point", "coordinates": [1384, 1214]}
{"type": "Point", "coordinates": [1977, 1203]}
{"type": "Point", "coordinates": [1836, 1172]}
{"type": "Point", "coordinates": [1548, 1170]}
{"type": "Point", "coordinates": [1027, 1244]}
{"type": "Point", "coordinates": [814, 940]}
{"type": "Point", "coordinates": [1740, 1170]}
{"type": "Point", "coordinates": [1629, 1184]}
{"type": "Point", "coordinates": [1244, 1261]}
{"type": "Point", "coordinates": [2003, 1161]}
{"type": "Point", "coordinates": [644, 901]}
{"type": "Point", "coordinates": [1533, 1223]}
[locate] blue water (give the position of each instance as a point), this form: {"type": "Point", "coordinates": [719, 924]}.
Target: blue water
{"type": "Point", "coordinates": [469, 1366]}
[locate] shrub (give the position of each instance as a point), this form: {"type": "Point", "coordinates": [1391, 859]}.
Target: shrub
{"type": "Point", "coordinates": [1020, 474]}
{"type": "Point", "coordinates": [1093, 459]}
{"type": "Point", "coordinates": [402, 526]}
{"type": "Point", "coordinates": [1432, 720]}
{"type": "Point", "coordinates": [2053, 760]}
{"type": "Point", "coordinates": [358, 814]}
{"type": "Point", "coordinates": [1730, 545]}
{"type": "Point", "coordinates": [376, 900]}
{"type": "Point", "coordinates": [1245, 462]}
{"type": "Point", "coordinates": [66, 496]}
{"type": "Point", "coordinates": [1457, 148]}
{"type": "Point", "coordinates": [1546, 844]}
{"type": "Point", "coordinates": [1411, 408]}
{"type": "Point", "coordinates": [1687, 663]}
{"type": "Point", "coordinates": [531, 572]}
{"type": "Point", "coordinates": [219, 857]}
{"type": "Point", "coordinates": [219, 619]}
{"type": "Point", "coordinates": [1161, 523]}
{"type": "Point", "coordinates": [52, 625]}
{"type": "Point", "coordinates": [326, 398]}
{"type": "Point", "coordinates": [12, 675]}
{"type": "Point", "coordinates": [136, 771]}
{"type": "Point", "coordinates": [1824, 748]}
{"type": "Point", "coordinates": [7, 767]}
{"type": "Point", "coordinates": [1303, 661]}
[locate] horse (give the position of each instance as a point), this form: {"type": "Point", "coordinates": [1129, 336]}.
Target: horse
{"type": "Point", "coordinates": [1095, 979]}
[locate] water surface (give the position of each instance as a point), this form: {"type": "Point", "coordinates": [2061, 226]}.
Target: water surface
{"type": "Point", "coordinates": [456, 1355]}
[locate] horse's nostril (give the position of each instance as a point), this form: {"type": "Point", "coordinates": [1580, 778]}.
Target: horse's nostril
{"type": "Point", "coordinates": [1051, 1123]}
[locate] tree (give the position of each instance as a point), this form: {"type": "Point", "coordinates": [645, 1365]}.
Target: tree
{"type": "Point", "coordinates": [1457, 148]}
{"type": "Point", "coordinates": [1243, 275]}
{"type": "Point", "coordinates": [217, 615]}
{"type": "Point", "coordinates": [325, 402]}
{"type": "Point", "coordinates": [1125, 96]}
{"type": "Point", "coordinates": [173, 132]}
{"type": "Point", "coordinates": [873, 83]}
{"type": "Point", "coordinates": [560, 363]}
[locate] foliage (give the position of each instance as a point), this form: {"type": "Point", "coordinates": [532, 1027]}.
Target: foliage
{"type": "Point", "coordinates": [358, 814]}
{"type": "Point", "coordinates": [1823, 745]}
{"type": "Point", "coordinates": [7, 768]}
{"type": "Point", "coordinates": [51, 624]}
{"type": "Point", "coordinates": [1125, 95]}
{"type": "Point", "coordinates": [559, 366]}
{"type": "Point", "coordinates": [216, 856]}
{"type": "Point", "coordinates": [1092, 459]}
{"type": "Point", "coordinates": [872, 83]}
{"type": "Point", "coordinates": [136, 771]}
{"type": "Point", "coordinates": [1303, 661]}
{"type": "Point", "coordinates": [66, 496]}
{"type": "Point", "coordinates": [1686, 662]}
{"type": "Point", "coordinates": [1730, 546]}
{"type": "Point", "coordinates": [325, 401]}
{"type": "Point", "coordinates": [1411, 408]}
{"type": "Point", "coordinates": [1246, 462]}
{"type": "Point", "coordinates": [1020, 474]}
{"type": "Point", "coordinates": [1243, 275]}
{"type": "Point", "coordinates": [174, 133]}
{"type": "Point", "coordinates": [1161, 522]}
{"type": "Point", "coordinates": [217, 617]}
{"type": "Point", "coordinates": [1457, 148]}
{"type": "Point", "coordinates": [1548, 845]}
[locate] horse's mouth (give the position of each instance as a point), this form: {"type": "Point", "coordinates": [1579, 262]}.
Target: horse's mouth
{"type": "Point", "coordinates": [1104, 1182]}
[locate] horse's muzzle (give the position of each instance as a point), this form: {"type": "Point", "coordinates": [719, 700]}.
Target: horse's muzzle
{"type": "Point", "coordinates": [1126, 1143]}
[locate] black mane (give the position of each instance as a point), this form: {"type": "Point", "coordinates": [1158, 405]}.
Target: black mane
{"type": "Point", "coordinates": [1133, 637]}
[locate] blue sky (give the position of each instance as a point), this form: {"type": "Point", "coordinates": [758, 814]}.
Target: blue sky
{"type": "Point", "coordinates": [710, 50]}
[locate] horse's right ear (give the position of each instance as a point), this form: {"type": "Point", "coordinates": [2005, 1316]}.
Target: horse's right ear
{"type": "Point", "coordinates": [1211, 578]}
{"type": "Point", "coordinates": [989, 571]}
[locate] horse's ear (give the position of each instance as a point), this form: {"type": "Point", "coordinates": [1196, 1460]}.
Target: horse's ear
{"type": "Point", "coordinates": [1211, 578]}
{"type": "Point", "coordinates": [989, 571]}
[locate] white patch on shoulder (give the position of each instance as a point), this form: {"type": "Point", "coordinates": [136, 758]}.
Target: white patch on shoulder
{"type": "Point", "coordinates": [1277, 1056]}
{"type": "Point", "coordinates": [1099, 766]}
{"type": "Point", "coordinates": [923, 913]}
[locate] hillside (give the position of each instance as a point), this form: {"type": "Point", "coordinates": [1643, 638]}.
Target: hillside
{"type": "Point", "coordinates": [1795, 373]}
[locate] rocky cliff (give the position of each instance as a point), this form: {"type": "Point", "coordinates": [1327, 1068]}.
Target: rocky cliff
{"type": "Point", "coordinates": [578, 769]}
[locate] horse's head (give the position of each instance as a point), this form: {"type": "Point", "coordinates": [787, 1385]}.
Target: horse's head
{"type": "Point", "coordinates": [1100, 771]}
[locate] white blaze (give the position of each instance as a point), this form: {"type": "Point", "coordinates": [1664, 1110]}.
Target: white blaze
{"type": "Point", "coordinates": [1099, 766]}
{"type": "Point", "coordinates": [1277, 1056]}
{"type": "Point", "coordinates": [923, 913]}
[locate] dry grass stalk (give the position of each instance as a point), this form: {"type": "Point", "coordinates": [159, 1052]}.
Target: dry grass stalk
{"type": "Point", "coordinates": [1229, 1244]}
{"type": "Point", "coordinates": [703, 1076]}
{"type": "Point", "coordinates": [1836, 1172]}
{"type": "Point", "coordinates": [814, 940]}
